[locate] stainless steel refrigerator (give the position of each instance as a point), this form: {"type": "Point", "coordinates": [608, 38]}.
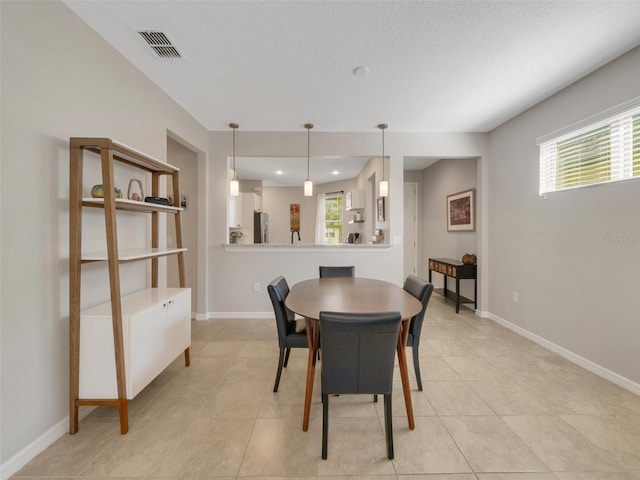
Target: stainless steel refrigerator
{"type": "Point", "coordinates": [260, 227]}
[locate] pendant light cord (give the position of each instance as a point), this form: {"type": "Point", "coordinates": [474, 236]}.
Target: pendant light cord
{"type": "Point", "coordinates": [382, 154]}
{"type": "Point", "coordinates": [308, 149]}
{"type": "Point", "coordinates": [382, 127]}
{"type": "Point", "coordinates": [308, 126]}
{"type": "Point", "coordinates": [234, 126]}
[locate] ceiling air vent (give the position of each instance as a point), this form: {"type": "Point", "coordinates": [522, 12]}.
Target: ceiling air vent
{"type": "Point", "coordinates": [160, 43]}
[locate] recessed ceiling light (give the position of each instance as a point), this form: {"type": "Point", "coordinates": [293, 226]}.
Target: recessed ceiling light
{"type": "Point", "coordinates": [335, 172]}
{"type": "Point", "coordinates": [279, 172]}
{"type": "Point", "coordinates": [361, 71]}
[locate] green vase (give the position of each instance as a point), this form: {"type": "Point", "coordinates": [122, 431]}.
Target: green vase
{"type": "Point", "coordinates": [97, 191]}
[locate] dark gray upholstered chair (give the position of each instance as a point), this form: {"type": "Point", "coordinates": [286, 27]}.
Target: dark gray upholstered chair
{"type": "Point", "coordinates": [288, 338]}
{"type": "Point", "coordinates": [358, 354]}
{"type": "Point", "coordinates": [347, 271]}
{"type": "Point", "coordinates": [422, 290]}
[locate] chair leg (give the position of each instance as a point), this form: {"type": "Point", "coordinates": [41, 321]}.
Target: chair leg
{"type": "Point", "coordinates": [325, 424]}
{"type": "Point", "coordinates": [388, 425]}
{"type": "Point", "coordinates": [416, 366]}
{"type": "Point", "coordinates": [286, 358]}
{"type": "Point", "coordinates": [375, 398]}
{"type": "Point", "coordinates": [280, 363]}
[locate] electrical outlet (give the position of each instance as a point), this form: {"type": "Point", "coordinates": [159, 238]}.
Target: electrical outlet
{"type": "Point", "coordinates": [256, 287]}
{"type": "Point", "coordinates": [514, 297]}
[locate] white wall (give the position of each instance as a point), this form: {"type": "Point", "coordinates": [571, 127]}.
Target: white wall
{"type": "Point", "coordinates": [233, 290]}
{"type": "Point", "coordinates": [59, 79]}
{"type": "Point", "coordinates": [574, 257]}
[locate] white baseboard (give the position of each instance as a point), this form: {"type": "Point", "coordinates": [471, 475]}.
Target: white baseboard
{"type": "Point", "coordinates": [45, 440]}
{"type": "Point", "coordinates": [599, 370]}
{"type": "Point", "coordinates": [28, 453]}
{"type": "Point", "coordinates": [212, 315]}
{"type": "Point", "coordinates": [240, 315]}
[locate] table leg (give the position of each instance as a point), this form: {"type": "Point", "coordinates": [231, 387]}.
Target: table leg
{"type": "Point", "coordinates": [404, 372]}
{"type": "Point", "coordinates": [475, 292]}
{"type": "Point", "coordinates": [313, 337]}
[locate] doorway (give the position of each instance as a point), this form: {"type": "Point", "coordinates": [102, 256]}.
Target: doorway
{"type": "Point", "coordinates": [187, 161]}
{"type": "Point", "coordinates": [410, 234]}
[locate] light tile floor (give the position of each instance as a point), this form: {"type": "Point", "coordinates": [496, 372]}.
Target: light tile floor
{"type": "Point", "coordinates": [495, 406]}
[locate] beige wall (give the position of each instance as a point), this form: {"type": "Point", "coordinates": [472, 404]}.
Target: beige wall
{"type": "Point", "coordinates": [60, 79]}
{"type": "Point", "coordinates": [276, 202]}
{"type": "Point", "coordinates": [577, 284]}
{"type": "Point", "coordinates": [232, 293]}
{"type": "Point", "coordinates": [187, 161]}
{"type": "Point", "coordinates": [444, 178]}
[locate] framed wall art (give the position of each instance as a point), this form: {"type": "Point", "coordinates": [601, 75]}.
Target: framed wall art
{"type": "Point", "coordinates": [294, 217]}
{"type": "Point", "coordinates": [461, 211]}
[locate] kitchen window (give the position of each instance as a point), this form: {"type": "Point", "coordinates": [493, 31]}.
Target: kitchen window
{"type": "Point", "coordinates": [333, 219]}
{"type": "Point", "coordinates": [603, 150]}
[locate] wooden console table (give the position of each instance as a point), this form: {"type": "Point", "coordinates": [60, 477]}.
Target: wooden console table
{"type": "Point", "coordinates": [458, 270]}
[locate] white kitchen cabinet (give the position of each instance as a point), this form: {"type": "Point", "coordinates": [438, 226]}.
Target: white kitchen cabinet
{"type": "Point", "coordinates": [235, 214]}
{"type": "Point", "coordinates": [355, 199]}
{"type": "Point", "coordinates": [241, 210]}
{"type": "Point", "coordinates": [156, 329]}
{"type": "Point", "coordinates": [252, 202]}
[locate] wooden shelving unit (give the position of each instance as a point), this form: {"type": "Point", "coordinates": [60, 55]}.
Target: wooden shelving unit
{"type": "Point", "coordinates": [108, 152]}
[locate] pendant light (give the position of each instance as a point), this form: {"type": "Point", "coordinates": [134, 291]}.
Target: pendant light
{"type": "Point", "coordinates": [384, 185]}
{"type": "Point", "coordinates": [234, 186]}
{"type": "Point", "coordinates": [308, 184]}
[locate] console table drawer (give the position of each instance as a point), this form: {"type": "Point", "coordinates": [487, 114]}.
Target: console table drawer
{"type": "Point", "coordinates": [458, 270]}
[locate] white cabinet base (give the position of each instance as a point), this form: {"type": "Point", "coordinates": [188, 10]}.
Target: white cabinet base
{"type": "Point", "coordinates": [156, 329]}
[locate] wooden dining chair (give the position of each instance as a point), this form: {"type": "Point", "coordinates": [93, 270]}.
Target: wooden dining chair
{"type": "Point", "coordinates": [288, 337]}
{"type": "Point", "coordinates": [358, 354]}
{"type": "Point", "coordinates": [330, 271]}
{"type": "Point", "coordinates": [422, 290]}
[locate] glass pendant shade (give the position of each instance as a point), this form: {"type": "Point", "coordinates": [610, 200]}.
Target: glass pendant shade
{"type": "Point", "coordinates": [234, 185]}
{"type": "Point", "coordinates": [308, 188]}
{"type": "Point", "coordinates": [384, 188]}
{"type": "Point", "coordinates": [384, 184]}
{"type": "Point", "coordinates": [308, 184]}
{"type": "Point", "coordinates": [234, 188]}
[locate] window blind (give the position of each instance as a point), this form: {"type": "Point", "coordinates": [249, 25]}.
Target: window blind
{"type": "Point", "coordinates": [605, 151]}
{"type": "Point", "coordinates": [636, 145]}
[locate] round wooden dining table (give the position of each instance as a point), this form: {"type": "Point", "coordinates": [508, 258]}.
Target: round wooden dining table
{"type": "Point", "coordinates": [358, 295]}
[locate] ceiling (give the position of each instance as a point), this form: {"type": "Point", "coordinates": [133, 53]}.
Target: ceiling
{"type": "Point", "coordinates": [434, 66]}
{"type": "Point", "coordinates": [292, 171]}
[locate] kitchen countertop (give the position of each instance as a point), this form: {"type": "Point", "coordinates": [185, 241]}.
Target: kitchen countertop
{"type": "Point", "coordinates": [307, 247]}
